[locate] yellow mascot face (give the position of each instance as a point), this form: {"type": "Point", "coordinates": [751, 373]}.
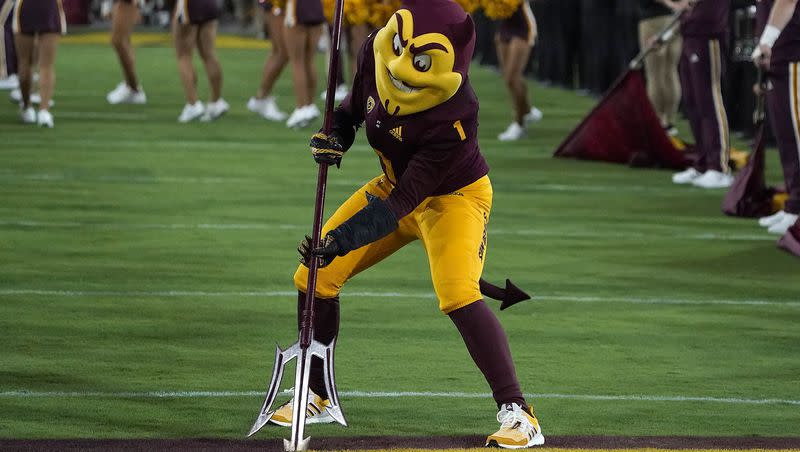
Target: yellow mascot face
{"type": "Point", "coordinates": [413, 73]}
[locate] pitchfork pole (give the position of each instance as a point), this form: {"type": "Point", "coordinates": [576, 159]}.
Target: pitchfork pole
{"type": "Point", "coordinates": [306, 348]}
{"type": "Point", "coordinates": [307, 316]}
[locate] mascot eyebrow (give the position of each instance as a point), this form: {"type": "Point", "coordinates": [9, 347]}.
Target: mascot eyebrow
{"type": "Point", "coordinates": [400, 29]}
{"type": "Point", "coordinates": [431, 46]}
{"type": "Point", "coordinates": [414, 49]}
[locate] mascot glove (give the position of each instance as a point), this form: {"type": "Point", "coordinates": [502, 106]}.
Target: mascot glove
{"type": "Point", "coordinates": [327, 149]}
{"type": "Point", "coordinates": [327, 252]}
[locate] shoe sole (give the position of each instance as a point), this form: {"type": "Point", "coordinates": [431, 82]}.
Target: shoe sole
{"type": "Point", "coordinates": [278, 118]}
{"type": "Point", "coordinates": [325, 419]}
{"type": "Point", "coordinates": [770, 223]}
{"type": "Point", "coordinates": [211, 118]}
{"type": "Point", "coordinates": [712, 187]}
{"type": "Point", "coordinates": [537, 440]}
{"type": "Point", "coordinates": [193, 118]}
{"type": "Point", "coordinates": [128, 102]}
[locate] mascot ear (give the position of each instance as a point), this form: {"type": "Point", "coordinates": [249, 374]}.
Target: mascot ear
{"type": "Point", "coordinates": [463, 36]}
{"type": "Point", "coordinates": [463, 32]}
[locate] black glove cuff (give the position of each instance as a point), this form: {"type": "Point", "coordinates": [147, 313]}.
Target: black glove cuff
{"type": "Point", "coordinates": [369, 224]}
{"type": "Point", "coordinates": [344, 128]}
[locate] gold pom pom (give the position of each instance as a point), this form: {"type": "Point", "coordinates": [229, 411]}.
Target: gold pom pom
{"type": "Point", "coordinates": [500, 9]}
{"type": "Point", "coordinates": [469, 5]}
{"type": "Point", "coordinates": [327, 7]}
{"type": "Point", "coordinates": [381, 12]}
{"type": "Point", "coordinates": [357, 11]}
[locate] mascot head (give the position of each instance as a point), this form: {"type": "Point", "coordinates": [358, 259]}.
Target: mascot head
{"type": "Point", "coordinates": [422, 55]}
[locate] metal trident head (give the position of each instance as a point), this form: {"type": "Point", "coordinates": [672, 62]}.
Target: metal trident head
{"type": "Point", "coordinates": [282, 357]}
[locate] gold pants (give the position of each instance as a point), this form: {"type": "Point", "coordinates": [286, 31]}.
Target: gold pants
{"type": "Point", "coordinates": [452, 229]}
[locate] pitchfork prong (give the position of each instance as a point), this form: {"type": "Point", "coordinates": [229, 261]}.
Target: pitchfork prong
{"type": "Point", "coordinates": [281, 358]}
{"type": "Point", "coordinates": [334, 409]}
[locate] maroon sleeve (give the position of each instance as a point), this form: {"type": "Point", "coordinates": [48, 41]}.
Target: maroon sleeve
{"type": "Point", "coordinates": [353, 104]}
{"type": "Point", "coordinates": [440, 151]}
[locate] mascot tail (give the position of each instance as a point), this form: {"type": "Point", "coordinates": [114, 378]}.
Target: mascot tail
{"type": "Point", "coordinates": [509, 296]}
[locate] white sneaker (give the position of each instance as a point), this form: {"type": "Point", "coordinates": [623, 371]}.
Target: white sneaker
{"type": "Point", "coordinates": [16, 96]}
{"type": "Point", "coordinates": [215, 109]}
{"type": "Point", "coordinates": [519, 429]}
{"type": "Point", "coordinates": [191, 112]}
{"type": "Point", "coordinates": [686, 176]}
{"type": "Point", "coordinates": [341, 92]}
{"type": "Point", "coordinates": [713, 179]}
{"type": "Point", "coordinates": [267, 108]}
{"type": "Point", "coordinates": [782, 226]}
{"type": "Point", "coordinates": [302, 117]}
{"type": "Point", "coordinates": [10, 82]}
{"type": "Point", "coordinates": [535, 115]}
{"type": "Point", "coordinates": [772, 219]}
{"type": "Point", "coordinates": [45, 119]}
{"type": "Point", "coordinates": [123, 94]}
{"type": "Point", "coordinates": [297, 120]}
{"type": "Point", "coordinates": [27, 115]}
{"type": "Point", "coordinates": [313, 112]}
{"type": "Point", "coordinates": [514, 132]}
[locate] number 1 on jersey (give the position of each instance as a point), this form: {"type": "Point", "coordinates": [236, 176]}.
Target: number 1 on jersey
{"type": "Point", "coordinates": [460, 130]}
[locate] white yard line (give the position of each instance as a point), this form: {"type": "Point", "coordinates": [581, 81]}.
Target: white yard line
{"type": "Point", "coordinates": [145, 145]}
{"type": "Point", "coordinates": [555, 232]}
{"type": "Point", "coordinates": [392, 395]}
{"type": "Point", "coordinates": [407, 295]}
{"type": "Point", "coordinates": [62, 177]}
{"type": "Point", "coordinates": [637, 235]}
{"type": "Point", "coordinates": [103, 115]}
{"type": "Point", "coordinates": [154, 179]}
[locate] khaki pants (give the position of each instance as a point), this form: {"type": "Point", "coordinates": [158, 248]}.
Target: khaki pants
{"type": "Point", "coordinates": [661, 69]}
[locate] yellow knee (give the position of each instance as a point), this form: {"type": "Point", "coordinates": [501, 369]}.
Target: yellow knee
{"type": "Point", "coordinates": [326, 286]}
{"type": "Point", "coordinates": [456, 293]}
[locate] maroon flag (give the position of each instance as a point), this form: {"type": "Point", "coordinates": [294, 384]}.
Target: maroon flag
{"type": "Point", "coordinates": [791, 240]}
{"type": "Point", "coordinates": [624, 128]}
{"type": "Point", "coordinates": [749, 195]}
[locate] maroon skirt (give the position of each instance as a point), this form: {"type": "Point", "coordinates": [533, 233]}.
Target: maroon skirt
{"type": "Point", "coordinates": [520, 25]}
{"type": "Point", "coordinates": [304, 12]}
{"type": "Point", "coordinates": [39, 16]}
{"type": "Point", "coordinates": [196, 12]}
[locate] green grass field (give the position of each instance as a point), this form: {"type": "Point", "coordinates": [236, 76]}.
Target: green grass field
{"type": "Point", "coordinates": [140, 256]}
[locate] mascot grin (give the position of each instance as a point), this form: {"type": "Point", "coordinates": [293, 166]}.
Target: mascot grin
{"type": "Point", "coordinates": [416, 72]}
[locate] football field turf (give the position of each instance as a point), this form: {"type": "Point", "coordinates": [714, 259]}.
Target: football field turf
{"type": "Point", "coordinates": [146, 278]}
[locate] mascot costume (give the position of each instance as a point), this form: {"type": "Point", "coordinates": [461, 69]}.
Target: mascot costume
{"type": "Point", "coordinates": [412, 94]}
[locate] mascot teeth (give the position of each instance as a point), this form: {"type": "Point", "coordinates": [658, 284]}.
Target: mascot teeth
{"type": "Point", "coordinates": [400, 85]}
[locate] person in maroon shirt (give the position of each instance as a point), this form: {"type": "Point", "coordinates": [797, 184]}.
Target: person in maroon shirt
{"type": "Point", "coordinates": [194, 25]}
{"type": "Point", "coordinates": [778, 53]}
{"type": "Point", "coordinates": [412, 93]}
{"type": "Point", "coordinates": [302, 29]}
{"type": "Point", "coordinates": [703, 28]}
{"type": "Point", "coordinates": [124, 16]}
{"type": "Point", "coordinates": [8, 55]}
{"type": "Point", "coordinates": [264, 103]}
{"type": "Point", "coordinates": [514, 40]}
{"type": "Point", "coordinates": [37, 27]}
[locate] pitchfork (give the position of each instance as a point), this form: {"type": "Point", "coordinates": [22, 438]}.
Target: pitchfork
{"type": "Point", "coordinates": [306, 347]}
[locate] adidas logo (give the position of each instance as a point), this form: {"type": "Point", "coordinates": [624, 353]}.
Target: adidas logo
{"type": "Point", "coordinates": [397, 132]}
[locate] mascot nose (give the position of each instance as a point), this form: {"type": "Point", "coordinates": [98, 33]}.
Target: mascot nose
{"type": "Point", "coordinates": [395, 65]}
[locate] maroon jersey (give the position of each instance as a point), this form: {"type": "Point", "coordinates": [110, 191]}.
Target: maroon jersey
{"type": "Point", "coordinates": [787, 47]}
{"type": "Point", "coordinates": [707, 19]}
{"type": "Point", "coordinates": [433, 152]}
